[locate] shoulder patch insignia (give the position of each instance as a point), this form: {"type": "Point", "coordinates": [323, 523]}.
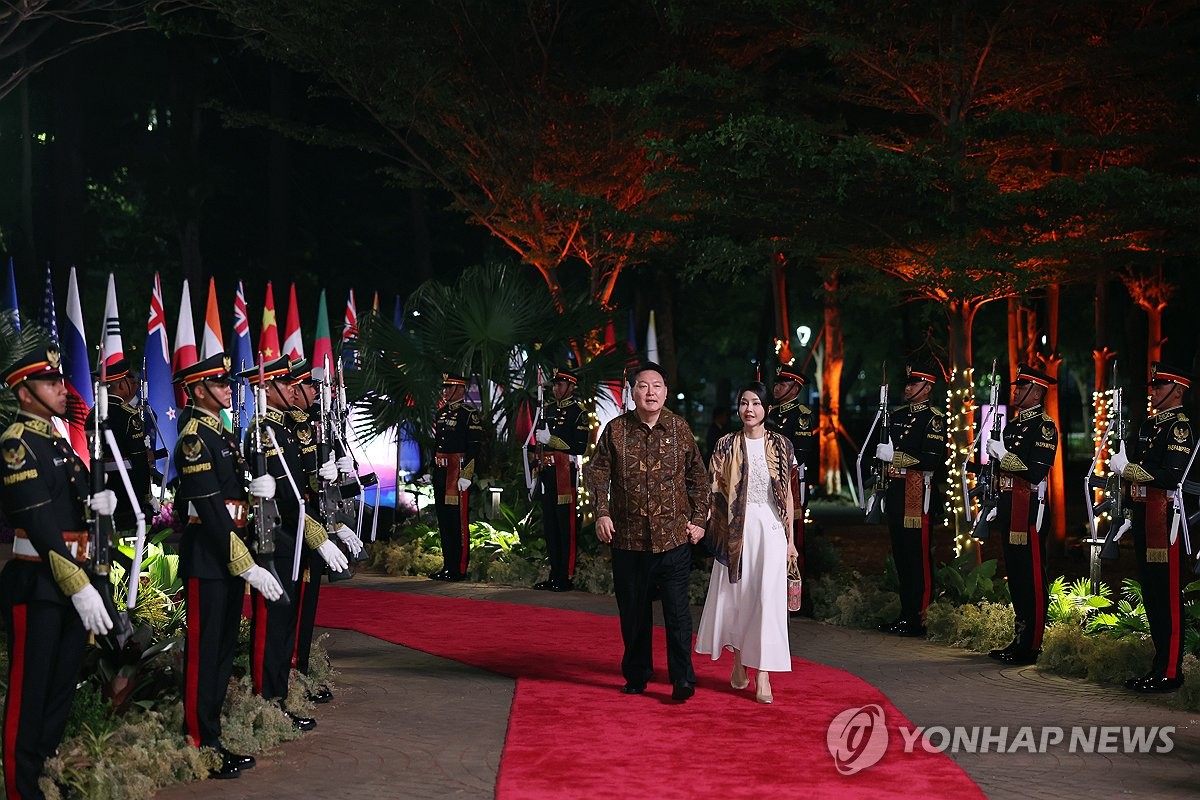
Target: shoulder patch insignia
{"type": "Point", "coordinates": [191, 448]}
{"type": "Point", "coordinates": [135, 424]}
{"type": "Point", "coordinates": [304, 434]}
{"type": "Point", "coordinates": [804, 422]}
{"type": "Point", "coordinates": [937, 424]}
{"type": "Point", "coordinates": [15, 455]}
{"type": "Point", "coordinates": [1181, 432]}
{"type": "Point", "coordinates": [1047, 432]}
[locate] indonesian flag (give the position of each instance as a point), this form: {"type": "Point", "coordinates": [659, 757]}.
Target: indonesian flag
{"type": "Point", "coordinates": [268, 336]}
{"type": "Point", "coordinates": [77, 371]}
{"type": "Point", "coordinates": [293, 345]}
{"type": "Point", "coordinates": [213, 342]}
{"type": "Point", "coordinates": [114, 349]}
{"type": "Point", "coordinates": [322, 346]}
{"type": "Point", "coordinates": [185, 342]}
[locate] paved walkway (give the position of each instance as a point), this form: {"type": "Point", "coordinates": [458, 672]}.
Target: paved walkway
{"type": "Point", "coordinates": [405, 724]}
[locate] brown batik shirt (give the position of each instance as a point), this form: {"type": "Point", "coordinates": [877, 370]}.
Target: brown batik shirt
{"type": "Point", "coordinates": [651, 481]}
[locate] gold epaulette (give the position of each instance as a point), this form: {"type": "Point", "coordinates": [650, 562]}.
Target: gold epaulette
{"type": "Point", "coordinates": [937, 412]}
{"type": "Point", "coordinates": [14, 431]}
{"type": "Point", "coordinates": [1047, 417]}
{"type": "Point", "coordinates": [1182, 418]}
{"type": "Point", "coordinates": [191, 428]}
{"type": "Point", "coordinates": [298, 415]}
{"type": "Point", "coordinates": [804, 409]}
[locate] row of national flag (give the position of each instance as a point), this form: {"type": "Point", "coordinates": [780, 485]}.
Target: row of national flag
{"type": "Point", "coordinates": [159, 360]}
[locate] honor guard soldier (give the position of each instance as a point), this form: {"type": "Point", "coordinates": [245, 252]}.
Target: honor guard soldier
{"type": "Point", "coordinates": [48, 600]}
{"type": "Point", "coordinates": [564, 433]}
{"type": "Point", "coordinates": [214, 561]}
{"type": "Point", "coordinates": [795, 420]}
{"type": "Point", "coordinates": [916, 447]}
{"type": "Point", "coordinates": [301, 419]}
{"type": "Point", "coordinates": [1025, 454]}
{"type": "Point", "coordinates": [456, 432]}
{"type": "Point", "coordinates": [273, 626]}
{"type": "Point", "coordinates": [128, 428]}
{"type": "Point", "coordinates": [1165, 442]}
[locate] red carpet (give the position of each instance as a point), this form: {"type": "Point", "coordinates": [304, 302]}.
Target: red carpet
{"type": "Point", "coordinates": [572, 734]}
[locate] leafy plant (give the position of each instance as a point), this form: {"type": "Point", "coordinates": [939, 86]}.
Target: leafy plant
{"type": "Point", "coordinates": [1129, 616]}
{"type": "Point", "coordinates": [963, 582]}
{"type": "Point", "coordinates": [1075, 603]}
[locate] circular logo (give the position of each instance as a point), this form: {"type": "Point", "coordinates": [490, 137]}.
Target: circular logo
{"type": "Point", "coordinates": [857, 738]}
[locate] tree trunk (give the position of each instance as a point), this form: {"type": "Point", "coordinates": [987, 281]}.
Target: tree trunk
{"type": "Point", "coordinates": [783, 334]}
{"type": "Point", "coordinates": [960, 417]}
{"type": "Point", "coordinates": [1154, 339]}
{"type": "Point", "coordinates": [831, 391]}
{"type": "Point", "coordinates": [1057, 488]}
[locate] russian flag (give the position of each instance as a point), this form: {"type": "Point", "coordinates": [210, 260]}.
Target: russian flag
{"type": "Point", "coordinates": [243, 357]}
{"type": "Point", "coordinates": [158, 373]}
{"type": "Point", "coordinates": [77, 371]}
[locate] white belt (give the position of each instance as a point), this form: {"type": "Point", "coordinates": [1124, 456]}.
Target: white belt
{"type": "Point", "coordinates": [24, 548]}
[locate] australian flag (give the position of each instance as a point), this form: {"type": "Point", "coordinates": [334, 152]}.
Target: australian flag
{"type": "Point", "coordinates": [158, 374]}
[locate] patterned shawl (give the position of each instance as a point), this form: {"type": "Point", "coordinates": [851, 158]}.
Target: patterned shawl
{"type": "Point", "coordinates": [730, 474]}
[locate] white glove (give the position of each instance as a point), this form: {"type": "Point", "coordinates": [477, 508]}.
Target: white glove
{"type": "Point", "coordinates": [464, 484]}
{"type": "Point", "coordinates": [335, 558]}
{"type": "Point", "coordinates": [425, 480]}
{"type": "Point", "coordinates": [328, 471]}
{"type": "Point", "coordinates": [542, 435]}
{"type": "Point", "coordinates": [345, 465]}
{"type": "Point", "coordinates": [155, 506]}
{"type": "Point", "coordinates": [90, 607]}
{"type": "Point", "coordinates": [103, 503]}
{"type": "Point", "coordinates": [1118, 461]}
{"type": "Point", "coordinates": [991, 517]}
{"type": "Point", "coordinates": [263, 487]}
{"type": "Point", "coordinates": [350, 539]}
{"type": "Point", "coordinates": [263, 581]}
{"type": "Point", "coordinates": [996, 449]}
{"type": "Point", "coordinates": [885, 451]}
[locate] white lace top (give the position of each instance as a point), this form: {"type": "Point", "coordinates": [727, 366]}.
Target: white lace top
{"type": "Point", "coordinates": [759, 480]}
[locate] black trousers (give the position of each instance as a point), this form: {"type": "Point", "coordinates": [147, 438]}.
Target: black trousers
{"type": "Point", "coordinates": [46, 645]}
{"type": "Point", "coordinates": [273, 634]}
{"type": "Point", "coordinates": [1026, 564]}
{"type": "Point", "coordinates": [309, 591]}
{"type": "Point", "coordinates": [559, 523]}
{"type": "Point", "coordinates": [635, 576]}
{"type": "Point", "coordinates": [913, 556]}
{"type": "Point", "coordinates": [1162, 595]}
{"type": "Point", "coordinates": [214, 609]}
{"type": "Point", "coordinates": [452, 525]}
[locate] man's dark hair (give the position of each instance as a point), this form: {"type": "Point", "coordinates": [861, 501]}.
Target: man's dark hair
{"type": "Point", "coordinates": [647, 366]}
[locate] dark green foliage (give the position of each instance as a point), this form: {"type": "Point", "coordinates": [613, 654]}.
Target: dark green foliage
{"type": "Point", "coordinates": [963, 581]}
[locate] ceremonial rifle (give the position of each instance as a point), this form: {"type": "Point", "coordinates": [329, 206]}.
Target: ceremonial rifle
{"type": "Point", "coordinates": [100, 526]}
{"type": "Point", "coordinates": [878, 480]}
{"type": "Point", "coordinates": [267, 521]}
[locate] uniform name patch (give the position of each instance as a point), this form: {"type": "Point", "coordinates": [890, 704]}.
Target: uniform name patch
{"type": "Point", "coordinates": [17, 477]}
{"type": "Point", "coordinates": [191, 469]}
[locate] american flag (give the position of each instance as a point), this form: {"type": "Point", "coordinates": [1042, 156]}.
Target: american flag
{"type": "Point", "coordinates": [49, 319]}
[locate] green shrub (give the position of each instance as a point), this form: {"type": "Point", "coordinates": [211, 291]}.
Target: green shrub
{"type": "Point", "coordinates": [593, 572]}
{"type": "Point", "coordinates": [978, 627]}
{"type": "Point", "coordinates": [852, 601]}
{"type": "Point", "coordinates": [1102, 657]}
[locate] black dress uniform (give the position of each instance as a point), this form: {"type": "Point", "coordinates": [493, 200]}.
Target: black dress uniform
{"type": "Point", "coordinates": [1164, 448]}
{"type": "Point", "coordinates": [457, 432]}
{"type": "Point", "coordinates": [919, 438]}
{"type": "Point", "coordinates": [570, 428]}
{"type": "Point", "coordinates": [797, 422]}
{"type": "Point", "coordinates": [129, 430]}
{"type": "Point", "coordinates": [212, 555]}
{"type": "Point", "coordinates": [1031, 440]}
{"type": "Point", "coordinates": [273, 625]}
{"type": "Point", "coordinates": [44, 492]}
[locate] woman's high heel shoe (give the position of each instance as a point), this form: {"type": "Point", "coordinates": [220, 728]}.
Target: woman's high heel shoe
{"type": "Point", "coordinates": [739, 679]}
{"type": "Point", "coordinates": [762, 691]}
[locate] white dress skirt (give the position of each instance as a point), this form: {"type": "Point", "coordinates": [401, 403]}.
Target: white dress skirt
{"type": "Point", "coordinates": [751, 615]}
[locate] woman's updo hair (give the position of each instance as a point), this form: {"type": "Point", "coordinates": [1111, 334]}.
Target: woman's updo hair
{"type": "Point", "coordinates": [759, 389]}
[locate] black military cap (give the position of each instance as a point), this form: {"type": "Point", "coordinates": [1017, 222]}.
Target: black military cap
{"type": "Point", "coordinates": [921, 371]}
{"type": "Point", "coordinates": [1027, 374]}
{"type": "Point", "coordinates": [566, 375]}
{"type": "Point", "coordinates": [1161, 373]}
{"type": "Point", "coordinates": [214, 368]}
{"type": "Point", "coordinates": [42, 364]}
{"type": "Point", "coordinates": [786, 372]}
{"type": "Point", "coordinates": [453, 379]}
{"type": "Point", "coordinates": [273, 370]}
{"type": "Point", "coordinates": [301, 371]}
{"type": "Point", "coordinates": [114, 369]}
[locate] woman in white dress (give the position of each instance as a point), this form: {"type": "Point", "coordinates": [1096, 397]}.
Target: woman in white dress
{"type": "Point", "coordinates": [752, 506]}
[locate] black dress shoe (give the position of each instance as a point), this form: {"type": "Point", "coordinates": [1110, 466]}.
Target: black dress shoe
{"type": "Point", "coordinates": [683, 691]}
{"type": "Point", "coordinates": [238, 760]}
{"type": "Point", "coordinates": [1019, 656]}
{"type": "Point", "coordinates": [454, 576]}
{"type": "Point", "coordinates": [562, 586]}
{"type": "Point", "coordinates": [543, 586]}
{"type": "Point", "coordinates": [300, 723]}
{"type": "Point", "coordinates": [227, 770]}
{"type": "Point", "coordinates": [321, 695]}
{"type": "Point", "coordinates": [886, 627]}
{"type": "Point", "coordinates": [1133, 683]}
{"type": "Point", "coordinates": [1159, 683]}
{"type": "Point", "coordinates": [1002, 652]}
{"type": "Point", "coordinates": [440, 575]}
{"type": "Point", "coordinates": [632, 688]}
{"type": "Point", "coordinates": [913, 629]}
